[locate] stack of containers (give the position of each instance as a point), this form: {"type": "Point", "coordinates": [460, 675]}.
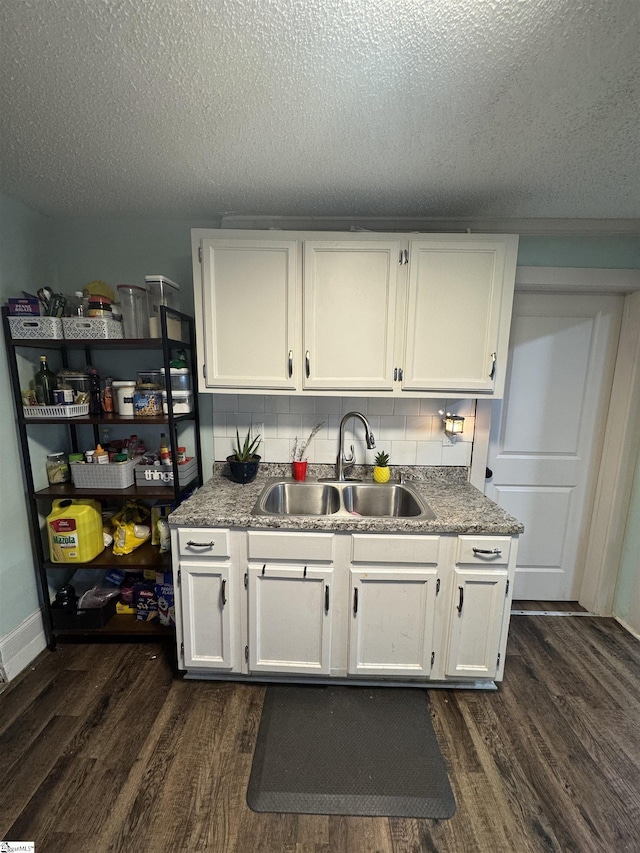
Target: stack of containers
{"type": "Point", "coordinates": [180, 391]}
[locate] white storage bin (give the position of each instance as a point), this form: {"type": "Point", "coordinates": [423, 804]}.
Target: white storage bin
{"type": "Point", "coordinates": [115, 475]}
{"type": "Point", "coordinates": [91, 327]}
{"type": "Point", "coordinates": [36, 327]}
{"type": "Point", "coordinates": [182, 402]}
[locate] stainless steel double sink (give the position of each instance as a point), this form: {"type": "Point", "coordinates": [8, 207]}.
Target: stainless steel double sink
{"type": "Point", "coordinates": [371, 500]}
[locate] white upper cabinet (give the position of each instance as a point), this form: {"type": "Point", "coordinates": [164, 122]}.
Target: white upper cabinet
{"type": "Point", "coordinates": [361, 313]}
{"type": "Point", "coordinates": [249, 310]}
{"type": "Point", "coordinates": [458, 313]}
{"type": "Point", "coordinates": [349, 299]}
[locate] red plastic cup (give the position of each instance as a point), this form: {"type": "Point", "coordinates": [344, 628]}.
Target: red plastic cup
{"type": "Point", "coordinates": [299, 470]}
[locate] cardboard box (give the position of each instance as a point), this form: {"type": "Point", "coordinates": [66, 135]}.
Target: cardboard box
{"type": "Point", "coordinates": [19, 307]}
{"type": "Point", "coordinates": [166, 603]}
{"type": "Point", "coordinates": [146, 601]}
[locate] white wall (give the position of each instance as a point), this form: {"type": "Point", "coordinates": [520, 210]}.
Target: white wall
{"type": "Point", "coordinates": [627, 599]}
{"type": "Point", "coordinates": [410, 430]}
{"type": "Point", "coordinates": [25, 264]}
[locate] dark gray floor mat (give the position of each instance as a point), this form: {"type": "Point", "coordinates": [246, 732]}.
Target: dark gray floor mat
{"type": "Point", "coordinates": [348, 750]}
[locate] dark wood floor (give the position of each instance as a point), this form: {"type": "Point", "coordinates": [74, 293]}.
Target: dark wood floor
{"type": "Point", "coordinates": [103, 748]}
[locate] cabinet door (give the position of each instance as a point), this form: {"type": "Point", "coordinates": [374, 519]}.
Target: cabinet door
{"type": "Point", "coordinates": [249, 305]}
{"type": "Point", "coordinates": [290, 619]}
{"type": "Point", "coordinates": [208, 622]}
{"type": "Point", "coordinates": [458, 311]}
{"type": "Point", "coordinates": [392, 618]}
{"type": "Point", "coordinates": [475, 629]}
{"type": "Point", "coordinates": [349, 313]}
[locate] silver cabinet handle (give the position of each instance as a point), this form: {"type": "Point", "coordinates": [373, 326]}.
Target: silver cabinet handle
{"type": "Point", "coordinates": [192, 544]}
{"type": "Point", "coordinates": [290, 363]}
{"type": "Point", "coordinates": [495, 552]}
{"type": "Point", "coordinates": [400, 374]}
{"type": "Point", "coordinates": [307, 364]}
{"type": "Point", "coordinates": [395, 374]}
{"type": "Point", "coordinates": [493, 365]}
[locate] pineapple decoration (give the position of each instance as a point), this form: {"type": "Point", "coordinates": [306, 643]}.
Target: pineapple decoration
{"type": "Point", "coordinates": [381, 472]}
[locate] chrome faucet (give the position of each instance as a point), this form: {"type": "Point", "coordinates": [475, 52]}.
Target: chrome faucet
{"type": "Point", "coordinates": [345, 462]}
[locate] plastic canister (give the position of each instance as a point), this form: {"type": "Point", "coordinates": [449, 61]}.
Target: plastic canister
{"type": "Point", "coordinates": [135, 311]}
{"type": "Point", "coordinates": [182, 402]}
{"type": "Point", "coordinates": [74, 528]}
{"type": "Point", "coordinates": [163, 291]}
{"type": "Point", "coordinates": [124, 389]}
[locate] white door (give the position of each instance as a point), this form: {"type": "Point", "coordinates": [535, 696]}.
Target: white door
{"type": "Point", "coordinates": [392, 616]}
{"type": "Point", "coordinates": [290, 619]}
{"type": "Point", "coordinates": [349, 313]}
{"type": "Point", "coordinates": [547, 432]}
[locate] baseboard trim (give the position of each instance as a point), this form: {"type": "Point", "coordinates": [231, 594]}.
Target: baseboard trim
{"type": "Point", "coordinates": [627, 627]}
{"type": "Point", "coordinates": [22, 645]}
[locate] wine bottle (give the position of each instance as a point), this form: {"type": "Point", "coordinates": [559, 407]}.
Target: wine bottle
{"type": "Point", "coordinates": [45, 382]}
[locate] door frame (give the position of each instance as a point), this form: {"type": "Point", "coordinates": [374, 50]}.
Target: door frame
{"type": "Point", "coordinates": [622, 431]}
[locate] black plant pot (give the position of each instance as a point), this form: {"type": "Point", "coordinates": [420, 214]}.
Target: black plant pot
{"type": "Point", "coordinates": [243, 472]}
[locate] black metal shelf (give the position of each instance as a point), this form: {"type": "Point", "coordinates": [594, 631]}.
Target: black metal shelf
{"type": "Point", "coordinates": [147, 556]}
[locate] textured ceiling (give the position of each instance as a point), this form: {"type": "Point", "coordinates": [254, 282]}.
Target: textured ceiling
{"type": "Point", "coordinates": [431, 108]}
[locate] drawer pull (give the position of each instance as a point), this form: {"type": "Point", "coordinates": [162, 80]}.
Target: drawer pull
{"type": "Point", "coordinates": [192, 544]}
{"type": "Point", "coordinates": [495, 552]}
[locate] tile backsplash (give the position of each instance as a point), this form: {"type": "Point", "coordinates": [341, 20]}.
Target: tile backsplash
{"type": "Point", "coordinates": [410, 430]}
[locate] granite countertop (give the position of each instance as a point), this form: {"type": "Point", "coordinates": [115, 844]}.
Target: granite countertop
{"type": "Point", "coordinates": [458, 506]}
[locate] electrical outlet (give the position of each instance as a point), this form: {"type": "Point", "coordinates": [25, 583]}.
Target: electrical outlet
{"type": "Point", "coordinates": [258, 430]}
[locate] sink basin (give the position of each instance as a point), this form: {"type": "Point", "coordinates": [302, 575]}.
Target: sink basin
{"type": "Point", "coordinates": [371, 500]}
{"type": "Point", "coordinates": [300, 499]}
{"type": "Point", "coordinates": [383, 501]}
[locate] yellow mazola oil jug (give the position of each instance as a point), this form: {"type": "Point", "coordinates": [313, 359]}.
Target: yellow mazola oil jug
{"type": "Point", "coordinates": [75, 530]}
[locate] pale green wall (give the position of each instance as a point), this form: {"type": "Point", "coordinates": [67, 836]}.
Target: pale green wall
{"type": "Point", "coordinates": [25, 264]}
{"type": "Point", "coordinates": [591, 252]}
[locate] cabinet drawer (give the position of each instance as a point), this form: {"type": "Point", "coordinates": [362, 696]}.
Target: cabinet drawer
{"type": "Point", "coordinates": [483, 550]}
{"type": "Point", "coordinates": [395, 549]}
{"type": "Point", "coordinates": [290, 546]}
{"type": "Point", "coordinates": [203, 542]}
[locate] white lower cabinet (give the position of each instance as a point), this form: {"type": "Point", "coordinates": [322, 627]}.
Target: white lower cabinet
{"type": "Point", "coordinates": [207, 614]}
{"type": "Point", "coordinates": [479, 606]}
{"type": "Point", "coordinates": [476, 623]}
{"type": "Point", "coordinates": [392, 620]}
{"type": "Point", "coordinates": [294, 603]}
{"type": "Point", "coordinates": [208, 599]}
{"type": "Point", "coordinates": [290, 619]}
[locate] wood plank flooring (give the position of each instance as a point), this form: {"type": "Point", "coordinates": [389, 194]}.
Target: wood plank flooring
{"type": "Point", "coordinates": [104, 748]}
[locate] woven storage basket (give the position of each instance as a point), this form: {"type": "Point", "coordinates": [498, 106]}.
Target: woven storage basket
{"type": "Point", "coordinates": [114, 475]}
{"type": "Point", "coordinates": [76, 410]}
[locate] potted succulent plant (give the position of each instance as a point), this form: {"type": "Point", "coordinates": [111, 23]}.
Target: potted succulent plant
{"type": "Point", "coordinates": [381, 471]}
{"type": "Point", "coordinates": [243, 464]}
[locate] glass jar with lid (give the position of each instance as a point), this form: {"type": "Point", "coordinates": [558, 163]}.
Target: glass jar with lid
{"type": "Point", "coordinates": [58, 468]}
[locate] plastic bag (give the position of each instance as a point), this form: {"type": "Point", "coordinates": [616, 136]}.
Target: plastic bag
{"type": "Point", "coordinates": [130, 528]}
